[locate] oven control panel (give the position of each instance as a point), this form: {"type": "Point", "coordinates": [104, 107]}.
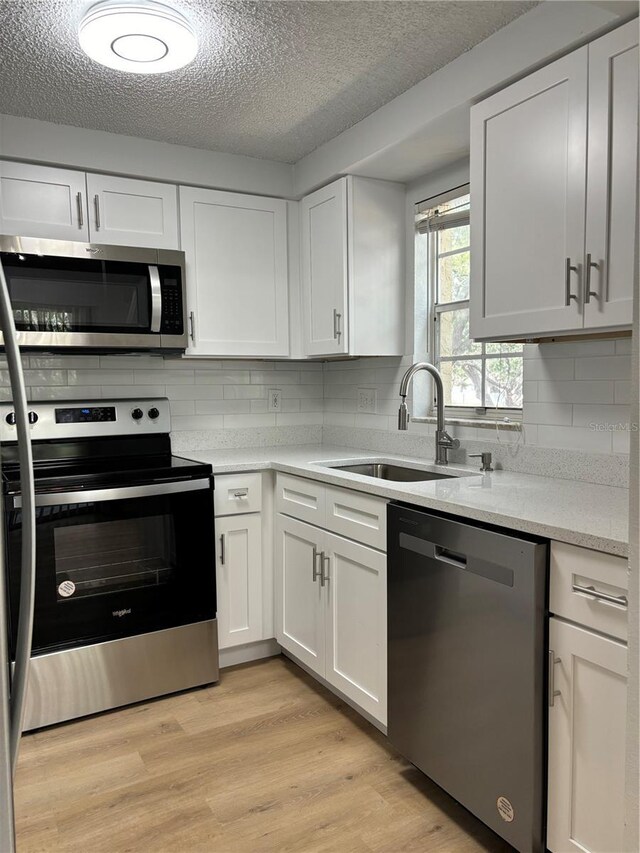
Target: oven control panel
{"type": "Point", "coordinates": [88, 415]}
{"type": "Point", "coordinates": [86, 419]}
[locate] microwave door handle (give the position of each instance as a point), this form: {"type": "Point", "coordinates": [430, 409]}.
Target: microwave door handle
{"type": "Point", "coordinates": [156, 298]}
{"type": "Point", "coordinates": [28, 555]}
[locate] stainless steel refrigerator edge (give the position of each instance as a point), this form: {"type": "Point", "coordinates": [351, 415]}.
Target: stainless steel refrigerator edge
{"type": "Point", "coordinates": [13, 686]}
{"type": "Point", "coordinates": [467, 677]}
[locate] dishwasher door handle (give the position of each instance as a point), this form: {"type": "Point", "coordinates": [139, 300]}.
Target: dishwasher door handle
{"type": "Point", "coordinates": [451, 557]}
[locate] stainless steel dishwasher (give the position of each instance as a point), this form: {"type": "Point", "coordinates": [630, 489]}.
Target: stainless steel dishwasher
{"type": "Point", "coordinates": [467, 678]}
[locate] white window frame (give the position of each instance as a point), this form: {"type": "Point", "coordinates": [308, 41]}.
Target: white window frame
{"type": "Point", "coordinates": [435, 311]}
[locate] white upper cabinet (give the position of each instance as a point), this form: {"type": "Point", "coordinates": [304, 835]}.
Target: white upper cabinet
{"type": "Point", "coordinates": [528, 163]}
{"type": "Point", "coordinates": [352, 264]}
{"type": "Point", "coordinates": [126, 212]}
{"type": "Point", "coordinates": [237, 276]}
{"type": "Point", "coordinates": [612, 177]}
{"type": "Point", "coordinates": [37, 201]}
{"type": "Point", "coordinates": [61, 204]}
{"type": "Point", "coordinates": [553, 193]}
{"type": "Point", "coordinates": [324, 269]}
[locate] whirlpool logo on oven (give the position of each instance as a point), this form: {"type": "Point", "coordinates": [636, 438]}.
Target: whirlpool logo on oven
{"type": "Point", "coordinates": [120, 613]}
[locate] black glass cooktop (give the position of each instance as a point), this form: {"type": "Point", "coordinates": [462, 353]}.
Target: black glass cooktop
{"type": "Point", "coordinates": [59, 466]}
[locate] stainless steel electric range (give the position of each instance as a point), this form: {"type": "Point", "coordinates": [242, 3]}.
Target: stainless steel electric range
{"type": "Point", "coordinates": [125, 600]}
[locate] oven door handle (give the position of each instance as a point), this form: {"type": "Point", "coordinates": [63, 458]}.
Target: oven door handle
{"type": "Point", "coordinates": [156, 298]}
{"type": "Point", "coordinates": [89, 496]}
{"type": "Point", "coordinates": [28, 554]}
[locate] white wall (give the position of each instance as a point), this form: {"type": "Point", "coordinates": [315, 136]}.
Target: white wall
{"type": "Point", "coordinates": [98, 151]}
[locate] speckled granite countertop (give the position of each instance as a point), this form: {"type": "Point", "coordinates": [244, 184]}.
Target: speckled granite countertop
{"type": "Point", "coordinates": [585, 514]}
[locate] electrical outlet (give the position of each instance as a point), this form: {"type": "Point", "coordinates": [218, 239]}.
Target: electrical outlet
{"type": "Point", "coordinates": [275, 400]}
{"type": "Point", "coordinates": [367, 400]}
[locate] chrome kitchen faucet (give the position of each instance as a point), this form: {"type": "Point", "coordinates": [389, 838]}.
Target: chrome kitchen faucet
{"type": "Point", "coordinates": [444, 442]}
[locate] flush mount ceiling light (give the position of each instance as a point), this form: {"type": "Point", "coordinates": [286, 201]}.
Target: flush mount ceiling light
{"type": "Point", "coordinates": [142, 38]}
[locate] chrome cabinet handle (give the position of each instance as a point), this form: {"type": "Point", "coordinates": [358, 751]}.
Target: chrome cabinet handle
{"type": "Point", "coordinates": [96, 202]}
{"type": "Point", "coordinates": [601, 597]}
{"type": "Point", "coordinates": [324, 578]}
{"type": "Point", "coordinates": [553, 660]}
{"type": "Point", "coordinates": [192, 326]}
{"type": "Point", "coordinates": [241, 493]}
{"type": "Point", "coordinates": [588, 293]}
{"type": "Point", "coordinates": [568, 269]}
{"type": "Point", "coordinates": [316, 574]}
{"type": "Point", "coordinates": [222, 549]}
{"type": "Point", "coordinates": [28, 546]}
{"type": "Point", "coordinates": [337, 316]}
{"type": "Point", "coordinates": [80, 213]}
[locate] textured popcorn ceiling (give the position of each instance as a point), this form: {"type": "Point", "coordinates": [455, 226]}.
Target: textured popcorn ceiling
{"type": "Point", "coordinates": [271, 79]}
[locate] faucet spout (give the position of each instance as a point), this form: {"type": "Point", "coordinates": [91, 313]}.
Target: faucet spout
{"type": "Point", "coordinates": [444, 441]}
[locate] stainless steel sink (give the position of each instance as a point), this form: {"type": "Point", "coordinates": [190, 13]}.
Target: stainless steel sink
{"type": "Point", "coordinates": [397, 473]}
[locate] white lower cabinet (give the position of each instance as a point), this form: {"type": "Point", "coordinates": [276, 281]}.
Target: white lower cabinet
{"type": "Point", "coordinates": [300, 617]}
{"type": "Point", "coordinates": [239, 579]}
{"type": "Point", "coordinates": [586, 741]}
{"type": "Point", "coordinates": [331, 610]}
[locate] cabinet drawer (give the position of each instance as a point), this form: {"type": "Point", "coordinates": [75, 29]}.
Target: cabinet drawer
{"type": "Point", "coordinates": [585, 585]}
{"type": "Point", "coordinates": [357, 516]}
{"type": "Point", "coordinates": [300, 498]}
{"type": "Point", "coordinates": [237, 493]}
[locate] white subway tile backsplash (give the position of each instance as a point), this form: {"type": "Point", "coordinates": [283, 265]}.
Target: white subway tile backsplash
{"type": "Point", "coordinates": [601, 417]}
{"type": "Point", "coordinates": [255, 420]}
{"type": "Point", "coordinates": [570, 390]}
{"type": "Point", "coordinates": [63, 392]}
{"type": "Point", "coordinates": [168, 377]}
{"type": "Point", "coordinates": [574, 438]}
{"type": "Point", "coordinates": [606, 367]}
{"type": "Point", "coordinates": [576, 391]}
{"type": "Point", "coordinates": [100, 376]}
{"type": "Point", "coordinates": [197, 422]}
{"type": "Point", "coordinates": [222, 407]}
{"type": "Point", "coordinates": [195, 392]}
{"type": "Point", "coordinates": [622, 392]}
{"type": "Point", "coordinates": [222, 377]}
{"type": "Point", "coordinates": [552, 368]}
{"type": "Point", "coordinates": [547, 413]}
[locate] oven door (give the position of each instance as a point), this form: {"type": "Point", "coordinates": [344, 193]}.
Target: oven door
{"type": "Point", "coordinates": [118, 562]}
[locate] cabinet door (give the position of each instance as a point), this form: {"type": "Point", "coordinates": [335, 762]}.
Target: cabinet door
{"type": "Point", "coordinates": [36, 201]}
{"type": "Point", "coordinates": [355, 579]}
{"type": "Point", "coordinates": [300, 611]}
{"type": "Point", "coordinates": [586, 741]}
{"type": "Point", "coordinates": [239, 579]}
{"type": "Point", "coordinates": [528, 164]}
{"type": "Point", "coordinates": [126, 212]}
{"type": "Point", "coordinates": [612, 177]}
{"type": "Point", "coordinates": [324, 270]}
{"type": "Point", "coordinates": [236, 257]}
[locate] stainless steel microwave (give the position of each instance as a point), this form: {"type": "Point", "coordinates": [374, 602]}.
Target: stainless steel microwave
{"type": "Point", "coordinates": [86, 296]}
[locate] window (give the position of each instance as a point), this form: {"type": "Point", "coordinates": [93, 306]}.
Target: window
{"type": "Point", "coordinates": [477, 377]}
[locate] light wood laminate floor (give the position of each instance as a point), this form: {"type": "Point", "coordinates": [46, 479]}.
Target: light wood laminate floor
{"type": "Point", "coordinates": [267, 760]}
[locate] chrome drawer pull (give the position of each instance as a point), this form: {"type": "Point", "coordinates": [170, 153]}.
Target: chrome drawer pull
{"type": "Point", "coordinates": [316, 574]}
{"type": "Point", "coordinates": [601, 597]}
{"type": "Point", "coordinates": [588, 293]}
{"type": "Point", "coordinates": [241, 493]}
{"type": "Point", "coordinates": [553, 660]}
{"type": "Point", "coordinates": [324, 578]}
{"type": "Point", "coordinates": [568, 269]}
